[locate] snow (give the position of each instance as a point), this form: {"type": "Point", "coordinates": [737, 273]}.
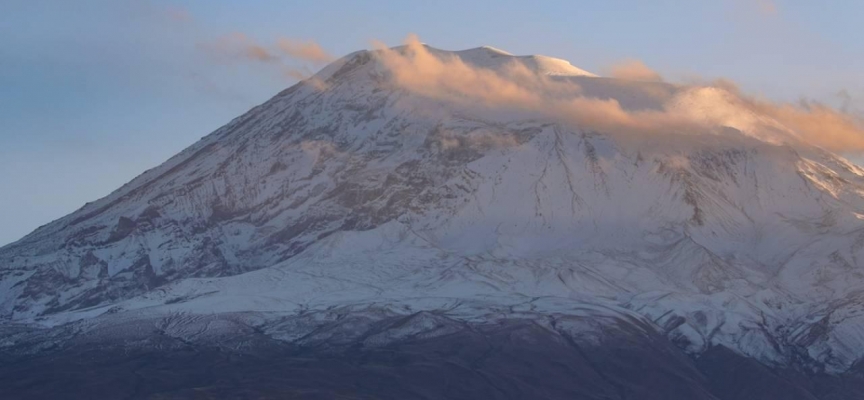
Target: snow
{"type": "Point", "coordinates": [365, 197]}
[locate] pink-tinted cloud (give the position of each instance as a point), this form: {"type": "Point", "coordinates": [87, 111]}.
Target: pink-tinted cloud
{"type": "Point", "coordinates": [303, 50]}
{"type": "Point", "coordinates": [817, 124]}
{"type": "Point", "coordinates": [238, 47]}
{"type": "Point", "coordinates": [446, 77]}
{"type": "Point", "coordinates": [417, 69]}
{"type": "Point", "coordinates": [634, 70]}
{"type": "Point", "coordinates": [290, 57]}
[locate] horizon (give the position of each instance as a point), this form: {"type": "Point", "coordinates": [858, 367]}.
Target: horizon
{"type": "Point", "coordinates": [102, 91]}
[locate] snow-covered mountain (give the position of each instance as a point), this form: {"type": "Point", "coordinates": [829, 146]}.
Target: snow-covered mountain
{"type": "Point", "coordinates": [349, 192]}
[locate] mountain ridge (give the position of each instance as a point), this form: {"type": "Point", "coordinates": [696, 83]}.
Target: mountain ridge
{"type": "Point", "coordinates": [347, 190]}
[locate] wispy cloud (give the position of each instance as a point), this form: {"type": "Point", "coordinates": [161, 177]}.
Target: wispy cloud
{"type": "Point", "coordinates": [303, 50]}
{"type": "Point", "coordinates": [816, 123]}
{"type": "Point", "coordinates": [448, 77]}
{"type": "Point", "coordinates": [445, 77]}
{"type": "Point", "coordinates": [634, 70]}
{"type": "Point", "coordinates": [291, 57]}
{"type": "Point", "coordinates": [415, 68]}
{"type": "Point", "coordinates": [238, 46]}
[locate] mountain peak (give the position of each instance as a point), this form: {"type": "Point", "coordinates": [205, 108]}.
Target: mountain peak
{"type": "Point", "coordinates": [487, 57]}
{"type": "Point", "coordinates": [487, 49]}
{"type": "Point", "coordinates": [494, 58]}
{"type": "Point", "coordinates": [368, 193]}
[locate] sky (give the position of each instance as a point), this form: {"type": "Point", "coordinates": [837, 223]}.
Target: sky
{"type": "Point", "coordinates": [94, 92]}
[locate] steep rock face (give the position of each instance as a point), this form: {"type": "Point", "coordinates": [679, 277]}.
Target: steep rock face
{"type": "Point", "coordinates": [347, 189]}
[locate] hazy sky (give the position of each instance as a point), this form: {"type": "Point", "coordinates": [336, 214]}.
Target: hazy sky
{"type": "Point", "coordinates": [94, 92]}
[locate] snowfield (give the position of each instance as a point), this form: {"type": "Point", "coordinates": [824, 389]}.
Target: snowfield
{"type": "Point", "coordinates": [362, 197]}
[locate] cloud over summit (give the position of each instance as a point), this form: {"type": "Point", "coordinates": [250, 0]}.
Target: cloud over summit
{"type": "Point", "coordinates": [689, 111]}
{"type": "Point", "coordinates": [634, 70]}
{"type": "Point", "coordinates": [680, 109]}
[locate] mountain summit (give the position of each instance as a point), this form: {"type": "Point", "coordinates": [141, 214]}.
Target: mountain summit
{"type": "Point", "coordinates": [411, 194]}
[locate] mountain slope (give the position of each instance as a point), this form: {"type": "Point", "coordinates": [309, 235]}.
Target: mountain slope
{"type": "Point", "coordinates": [348, 190]}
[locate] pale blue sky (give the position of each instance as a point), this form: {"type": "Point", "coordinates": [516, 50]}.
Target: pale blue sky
{"type": "Point", "coordinates": [93, 92]}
